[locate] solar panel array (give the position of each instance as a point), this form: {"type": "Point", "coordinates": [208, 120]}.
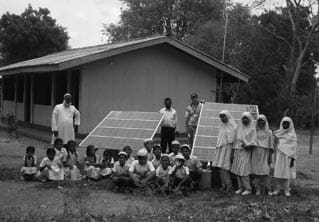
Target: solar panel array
{"type": "Point", "coordinates": [207, 130]}
{"type": "Point", "coordinates": [121, 128]}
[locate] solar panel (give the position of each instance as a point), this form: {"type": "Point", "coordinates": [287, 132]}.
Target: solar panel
{"type": "Point", "coordinates": [205, 140]}
{"type": "Point", "coordinates": [121, 128]}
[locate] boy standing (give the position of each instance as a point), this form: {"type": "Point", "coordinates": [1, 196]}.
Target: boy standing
{"type": "Point", "coordinates": [169, 125]}
{"type": "Point", "coordinates": [192, 116]}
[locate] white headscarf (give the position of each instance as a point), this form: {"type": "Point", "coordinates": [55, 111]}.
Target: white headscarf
{"type": "Point", "coordinates": [247, 135]}
{"type": "Point", "coordinates": [265, 138]}
{"type": "Point", "coordinates": [287, 138]}
{"type": "Point", "coordinates": [226, 132]}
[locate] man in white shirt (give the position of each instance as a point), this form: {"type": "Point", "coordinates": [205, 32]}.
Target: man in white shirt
{"type": "Point", "coordinates": [169, 125]}
{"type": "Point", "coordinates": [65, 120]}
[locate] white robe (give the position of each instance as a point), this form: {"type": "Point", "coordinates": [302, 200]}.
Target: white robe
{"type": "Point", "coordinates": [63, 119]}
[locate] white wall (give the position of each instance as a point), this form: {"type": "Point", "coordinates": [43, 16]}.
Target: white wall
{"type": "Point", "coordinates": [140, 80]}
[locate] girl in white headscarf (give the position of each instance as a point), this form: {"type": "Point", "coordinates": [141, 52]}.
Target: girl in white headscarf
{"type": "Point", "coordinates": [246, 140]}
{"type": "Point", "coordinates": [285, 166]}
{"type": "Point", "coordinates": [261, 155]}
{"type": "Point", "coordinates": [224, 146]}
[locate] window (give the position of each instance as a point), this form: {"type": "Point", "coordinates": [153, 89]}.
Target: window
{"type": "Point", "coordinates": [61, 86]}
{"type": "Point", "coordinates": [42, 89]}
{"type": "Point", "coordinates": [20, 88]}
{"type": "Point", "coordinates": [8, 87]}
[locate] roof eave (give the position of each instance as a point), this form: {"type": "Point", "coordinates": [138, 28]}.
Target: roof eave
{"type": "Point", "coordinates": [112, 52]}
{"type": "Point", "coordinates": [31, 69]}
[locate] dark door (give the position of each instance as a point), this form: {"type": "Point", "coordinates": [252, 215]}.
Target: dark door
{"type": "Point", "coordinates": [27, 99]}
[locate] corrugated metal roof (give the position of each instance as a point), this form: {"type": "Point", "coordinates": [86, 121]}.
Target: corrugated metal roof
{"type": "Point", "coordinates": [75, 57]}
{"type": "Point", "coordinates": [71, 54]}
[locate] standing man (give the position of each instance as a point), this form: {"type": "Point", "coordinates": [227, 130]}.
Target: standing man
{"type": "Point", "coordinates": [191, 117]}
{"type": "Point", "coordinates": [65, 120]}
{"type": "Point", "coordinates": [169, 125]}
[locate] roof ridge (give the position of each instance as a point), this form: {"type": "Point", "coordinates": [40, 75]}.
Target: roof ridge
{"type": "Point", "coordinates": [115, 42]}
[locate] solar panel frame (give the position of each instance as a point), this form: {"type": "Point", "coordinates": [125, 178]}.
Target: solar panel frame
{"type": "Point", "coordinates": [209, 119]}
{"type": "Point", "coordinates": [118, 125]}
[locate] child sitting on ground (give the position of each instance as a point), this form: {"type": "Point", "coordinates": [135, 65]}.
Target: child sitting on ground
{"type": "Point", "coordinates": [71, 165]}
{"type": "Point", "coordinates": [194, 166]}
{"type": "Point", "coordinates": [176, 151]}
{"type": "Point", "coordinates": [179, 176]}
{"type": "Point", "coordinates": [91, 163]}
{"type": "Point", "coordinates": [128, 151]}
{"type": "Point", "coordinates": [106, 164]}
{"type": "Point", "coordinates": [120, 175]}
{"type": "Point", "coordinates": [142, 171]}
{"type": "Point", "coordinates": [29, 169]}
{"type": "Point", "coordinates": [51, 167]}
{"type": "Point", "coordinates": [148, 145]}
{"type": "Point", "coordinates": [162, 177]}
{"type": "Point", "coordinates": [157, 156]}
{"type": "Point", "coordinates": [60, 151]}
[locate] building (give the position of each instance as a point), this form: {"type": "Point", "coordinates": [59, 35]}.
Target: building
{"type": "Point", "coordinates": [131, 76]}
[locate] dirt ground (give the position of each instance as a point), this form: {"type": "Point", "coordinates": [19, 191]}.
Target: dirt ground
{"type": "Point", "coordinates": [25, 199]}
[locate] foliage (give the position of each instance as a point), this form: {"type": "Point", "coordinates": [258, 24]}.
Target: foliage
{"type": "Point", "coordinates": [32, 34]}
{"type": "Point", "coordinates": [144, 18]}
{"type": "Point", "coordinates": [279, 58]}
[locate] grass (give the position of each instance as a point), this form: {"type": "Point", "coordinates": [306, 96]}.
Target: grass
{"type": "Point", "coordinates": [79, 200]}
{"type": "Point", "coordinates": [182, 210]}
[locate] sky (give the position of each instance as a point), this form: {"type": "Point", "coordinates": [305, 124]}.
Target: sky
{"type": "Point", "coordinates": [82, 18]}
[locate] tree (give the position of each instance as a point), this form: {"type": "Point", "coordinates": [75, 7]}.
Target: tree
{"type": "Point", "coordinates": [301, 36]}
{"type": "Point", "coordinates": [32, 34]}
{"type": "Point", "coordinates": [175, 17]}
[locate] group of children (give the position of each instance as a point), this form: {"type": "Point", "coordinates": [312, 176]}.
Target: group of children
{"type": "Point", "coordinates": [250, 149]}
{"type": "Point", "coordinates": [246, 150]}
{"type": "Point", "coordinates": [178, 171]}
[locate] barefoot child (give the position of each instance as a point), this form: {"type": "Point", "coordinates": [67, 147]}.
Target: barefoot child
{"type": "Point", "coordinates": [157, 151]}
{"type": "Point", "coordinates": [128, 151]}
{"type": "Point", "coordinates": [106, 164]}
{"type": "Point", "coordinates": [29, 169]}
{"type": "Point", "coordinates": [120, 177]}
{"type": "Point", "coordinates": [179, 176]}
{"type": "Point", "coordinates": [175, 151]}
{"type": "Point", "coordinates": [142, 171]}
{"type": "Point", "coordinates": [225, 140]}
{"type": "Point", "coordinates": [91, 161]}
{"type": "Point", "coordinates": [162, 177]}
{"type": "Point", "coordinates": [51, 167]}
{"type": "Point", "coordinates": [285, 166]}
{"type": "Point", "coordinates": [246, 140]}
{"type": "Point", "coordinates": [261, 155]}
